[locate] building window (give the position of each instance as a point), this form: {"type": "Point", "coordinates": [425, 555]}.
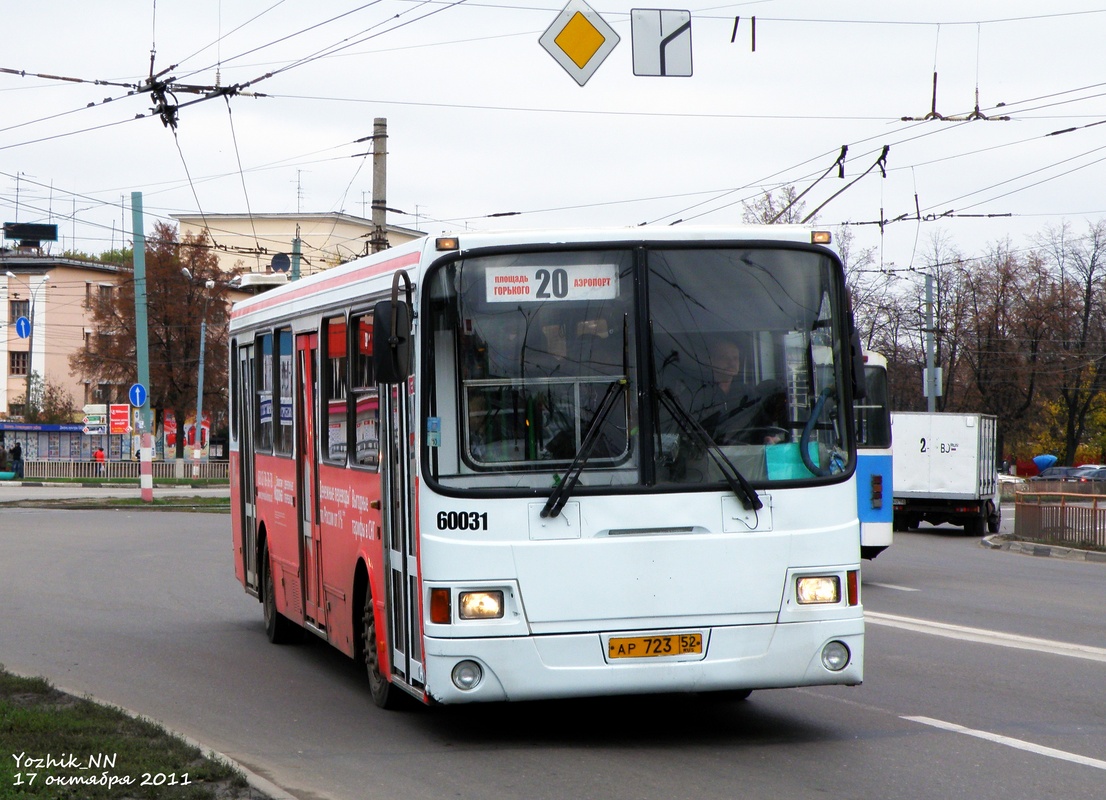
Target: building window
{"type": "Point", "coordinates": [17, 363]}
{"type": "Point", "coordinates": [19, 308]}
{"type": "Point", "coordinates": [104, 296]}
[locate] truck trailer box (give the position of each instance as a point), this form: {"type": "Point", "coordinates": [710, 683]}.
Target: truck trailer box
{"type": "Point", "coordinates": [945, 470]}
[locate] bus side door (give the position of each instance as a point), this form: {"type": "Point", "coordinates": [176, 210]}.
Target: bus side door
{"type": "Point", "coordinates": [307, 487]}
{"type": "Point", "coordinates": [397, 414]}
{"type": "Point", "coordinates": [247, 480]}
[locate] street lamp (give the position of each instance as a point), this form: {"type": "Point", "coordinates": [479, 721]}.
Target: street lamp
{"type": "Point", "coordinates": [31, 339]}
{"type": "Point", "coordinates": [197, 448]}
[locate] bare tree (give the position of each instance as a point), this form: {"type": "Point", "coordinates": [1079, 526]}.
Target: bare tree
{"type": "Point", "coordinates": [1001, 338]}
{"type": "Point", "coordinates": [775, 207]}
{"type": "Point", "coordinates": [1078, 344]}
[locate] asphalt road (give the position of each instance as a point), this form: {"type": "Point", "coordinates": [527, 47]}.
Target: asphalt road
{"type": "Point", "coordinates": [141, 609]}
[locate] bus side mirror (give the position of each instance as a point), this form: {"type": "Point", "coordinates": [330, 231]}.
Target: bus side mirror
{"type": "Point", "coordinates": [392, 341]}
{"type": "Point", "coordinates": [860, 384]}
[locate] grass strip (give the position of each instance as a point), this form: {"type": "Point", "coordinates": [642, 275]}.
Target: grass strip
{"type": "Point", "coordinates": [57, 746]}
{"type": "Point", "coordinates": [181, 503]}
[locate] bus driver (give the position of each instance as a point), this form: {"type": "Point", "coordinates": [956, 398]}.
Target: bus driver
{"type": "Point", "coordinates": [741, 412]}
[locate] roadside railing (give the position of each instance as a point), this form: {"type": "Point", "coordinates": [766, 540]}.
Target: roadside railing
{"type": "Point", "coordinates": [1068, 519]}
{"type": "Point", "coordinates": [179, 469]}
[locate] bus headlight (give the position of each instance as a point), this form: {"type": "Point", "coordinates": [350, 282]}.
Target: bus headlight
{"type": "Point", "coordinates": [811, 589]}
{"type": "Point", "coordinates": [481, 605]}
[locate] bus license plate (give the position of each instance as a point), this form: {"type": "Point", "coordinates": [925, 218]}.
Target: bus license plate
{"type": "Point", "coordinates": [676, 644]}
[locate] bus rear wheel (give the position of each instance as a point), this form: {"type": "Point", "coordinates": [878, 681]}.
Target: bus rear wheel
{"type": "Point", "coordinates": [278, 627]}
{"type": "Point", "coordinates": [385, 695]}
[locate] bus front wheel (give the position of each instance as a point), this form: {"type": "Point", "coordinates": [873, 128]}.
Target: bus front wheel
{"type": "Point", "coordinates": [385, 695]}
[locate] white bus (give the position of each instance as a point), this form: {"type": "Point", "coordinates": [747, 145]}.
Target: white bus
{"type": "Point", "coordinates": [559, 464]}
{"type": "Point", "coordinates": [874, 475]}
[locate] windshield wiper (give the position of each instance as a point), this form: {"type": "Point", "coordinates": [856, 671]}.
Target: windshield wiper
{"type": "Point", "coordinates": [563, 490]}
{"type": "Point", "coordinates": [689, 425]}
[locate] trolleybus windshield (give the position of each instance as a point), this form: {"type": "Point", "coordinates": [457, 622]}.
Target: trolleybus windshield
{"type": "Point", "coordinates": [523, 348]}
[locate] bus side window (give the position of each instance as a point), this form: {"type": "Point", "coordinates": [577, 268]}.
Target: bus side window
{"type": "Point", "coordinates": [264, 400]}
{"type": "Point", "coordinates": [282, 439]}
{"type": "Point", "coordinates": [235, 390]}
{"type": "Point", "coordinates": [336, 389]}
{"type": "Point", "coordinates": [366, 396]}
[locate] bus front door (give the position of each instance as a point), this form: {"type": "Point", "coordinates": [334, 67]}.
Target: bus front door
{"type": "Point", "coordinates": [307, 457]}
{"type": "Point", "coordinates": [403, 584]}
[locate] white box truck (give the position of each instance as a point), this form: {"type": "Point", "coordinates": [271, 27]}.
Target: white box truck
{"type": "Point", "coordinates": [945, 468]}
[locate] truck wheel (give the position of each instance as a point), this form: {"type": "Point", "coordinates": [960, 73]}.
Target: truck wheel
{"type": "Point", "coordinates": [994, 518]}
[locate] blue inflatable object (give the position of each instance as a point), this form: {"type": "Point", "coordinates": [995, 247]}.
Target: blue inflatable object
{"type": "Point", "coordinates": [1044, 462]}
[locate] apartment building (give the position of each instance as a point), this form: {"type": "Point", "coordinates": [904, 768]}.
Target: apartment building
{"type": "Point", "coordinates": [45, 317]}
{"type": "Point", "coordinates": [251, 242]}
{"type": "Point", "coordinates": [45, 300]}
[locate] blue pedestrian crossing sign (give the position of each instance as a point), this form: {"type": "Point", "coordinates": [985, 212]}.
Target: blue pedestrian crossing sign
{"type": "Point", "coordinates": [23, 327]}
{"type": "Point", "coordinates": [138, 395]}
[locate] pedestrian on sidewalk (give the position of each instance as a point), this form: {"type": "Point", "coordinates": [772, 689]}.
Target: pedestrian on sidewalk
{"type": "Point", "coordinates": [17, 460]}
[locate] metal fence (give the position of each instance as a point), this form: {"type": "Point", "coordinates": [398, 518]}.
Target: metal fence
{"type": "Point", "coordinates": [179, 469]}
{"type": "Point", "coordinates": [1068, 520]}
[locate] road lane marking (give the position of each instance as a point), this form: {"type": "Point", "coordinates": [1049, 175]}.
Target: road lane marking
{"type": "Point", "coordinates": [988, 637]}
{"type": "Point", "coordinates": [894, 586]}
{"type": "Point", "coordinates": [1019, 744]}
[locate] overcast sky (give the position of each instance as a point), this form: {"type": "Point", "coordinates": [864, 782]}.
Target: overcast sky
{"type": "Point", "coordinates": [482, 121]}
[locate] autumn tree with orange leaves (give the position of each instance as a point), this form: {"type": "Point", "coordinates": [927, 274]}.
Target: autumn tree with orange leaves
{"type": "Point", "coordinates": [174, 305]}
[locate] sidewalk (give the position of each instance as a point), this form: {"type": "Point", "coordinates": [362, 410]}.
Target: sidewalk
{"type": "Point", "coordinates": [1003, 541]}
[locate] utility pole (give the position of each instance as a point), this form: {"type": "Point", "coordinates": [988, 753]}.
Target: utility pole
{"type": "Point", "coordinates": [932, 384]}
{"type": "Point", "coordinates": [142, 352]}
{"type": "Point", "coordinates": [198, 428]}
{"type": "Point", "coordinates": [379, 239]}
{"type": "Point", "coordinates": [296, 255]}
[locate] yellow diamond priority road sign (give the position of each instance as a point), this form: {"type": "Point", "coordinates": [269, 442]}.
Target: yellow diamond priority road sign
{"type": "Point", "coordinates": [579, 39]}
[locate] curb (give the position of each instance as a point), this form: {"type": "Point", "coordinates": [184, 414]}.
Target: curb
{"type": "Point", "coordinates": [1006, 542]}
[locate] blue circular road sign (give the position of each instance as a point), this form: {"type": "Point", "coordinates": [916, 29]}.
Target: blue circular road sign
{"type": "Point", "coordinates": [23, 327]}
{"type": "Point", "coordinates": [138, 395]}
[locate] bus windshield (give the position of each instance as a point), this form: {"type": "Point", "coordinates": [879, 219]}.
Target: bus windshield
{"type": "Point", "coordinates": [703, 359]}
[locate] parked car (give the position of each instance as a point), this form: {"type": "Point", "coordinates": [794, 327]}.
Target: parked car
{"type": "Point", "coordinates": [1092, 475]}
{"type": "Point", "coordinates": [1054, 474]}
